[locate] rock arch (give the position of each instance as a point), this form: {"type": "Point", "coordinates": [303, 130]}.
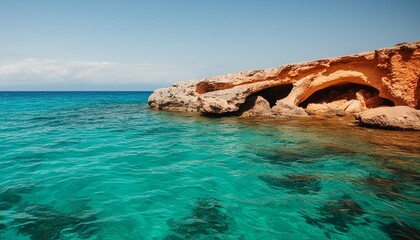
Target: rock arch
{"type": "Point", "coordinates": [337, 78]}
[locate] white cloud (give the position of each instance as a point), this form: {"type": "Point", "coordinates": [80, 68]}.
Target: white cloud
{"type": "Point", "coordinates": [44, 72]}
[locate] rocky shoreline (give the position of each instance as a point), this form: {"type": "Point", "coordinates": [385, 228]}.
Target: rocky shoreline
{"type": "Point", "coordinates": [380, 88]}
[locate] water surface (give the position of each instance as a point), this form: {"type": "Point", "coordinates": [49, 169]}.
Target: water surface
{"type": "Point", "coordinates": [101, 165]}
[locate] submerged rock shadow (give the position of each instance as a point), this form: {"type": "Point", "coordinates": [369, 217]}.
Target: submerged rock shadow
{"type": "Point", "coordinates": [404, 174]}
{"type": "Point", "coordinates": [401, 231]}
{"type": "Point", "coordinates": [206, 220]}
{"type": "Point", "coordinates": [286, 157]}
{"type": "Point", "coordinates": [42, 222]}
{"type": "Point", "coordinates": [400, 182]}
{"type": "Point", "coordinates": [385, 188]}
{"type": "Point", "coordinates": [2, 225]}
{"type": "Point", "coordinates": [339, 214]}
{"type": "Point", "coordinates": [303, 184]}
{"type": "Point", "coordinates": [303, 154]}
{"type": "Point", "coordinates": [12, 196]}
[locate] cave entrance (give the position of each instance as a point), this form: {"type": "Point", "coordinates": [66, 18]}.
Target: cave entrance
{"type": "Point", "coordinates": [274, 93]}
{"type": "Point", "coordinates": [347, 92]}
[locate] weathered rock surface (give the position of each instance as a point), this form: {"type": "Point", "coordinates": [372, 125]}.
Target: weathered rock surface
{"type": "Point", "coordinates": [256, 106]}
{"type": "Point", "coordinates": [400, 117]}
{"type": "Point", "coordinates": [341, 107]}
{"type": "Point", "coordinates": [180, 97]}
{"type": "Point", "coordinates": [288, 110]}
{"type": "Point", "coordinates": [342, 85]}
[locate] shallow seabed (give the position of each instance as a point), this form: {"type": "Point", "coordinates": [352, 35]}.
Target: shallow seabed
{"type": "Point", "coordinates": [101, 165]}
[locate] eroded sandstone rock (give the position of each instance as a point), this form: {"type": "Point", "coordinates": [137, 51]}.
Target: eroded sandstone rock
{"type": "Point", "coordinates": [345, 85]}
{"type": "Point", "coordinates": [400, 117]}
{"type": "Point", "coordinates": [289, 110]}
{"type": "Point", "coordinates": [180, 97]}
{"type": "Point", "coordinates": [256, 106]}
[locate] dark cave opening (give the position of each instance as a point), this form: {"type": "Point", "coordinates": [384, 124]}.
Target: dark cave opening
{"type": "Point", "coordinates": [273, 94]}
{"type": "Point", "coordinates": [348, 92]}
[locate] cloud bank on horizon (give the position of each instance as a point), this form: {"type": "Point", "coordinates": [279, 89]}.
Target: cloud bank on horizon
{"type": "Point", "coordinates": [46, 74]}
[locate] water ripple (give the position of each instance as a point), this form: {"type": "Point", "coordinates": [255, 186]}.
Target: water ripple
{"type": "Point", "coordinates": [103, 166]}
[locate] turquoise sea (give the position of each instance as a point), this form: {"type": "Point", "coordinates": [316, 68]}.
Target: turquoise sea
{"type": "Point", "coordinates": [102, 165]}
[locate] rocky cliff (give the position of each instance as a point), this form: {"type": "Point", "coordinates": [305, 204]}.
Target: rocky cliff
{"type": "Point", "coordinates": [334, 86]}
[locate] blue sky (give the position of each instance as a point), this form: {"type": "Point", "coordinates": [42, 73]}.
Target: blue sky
{"type": "Point", "coordinates": [142, 45]}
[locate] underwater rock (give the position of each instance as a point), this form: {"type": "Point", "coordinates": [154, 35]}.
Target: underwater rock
{"type": "Point", "coordinates": [404, 174]}
{"type": "Point", "coordinates": [43, 222]}
{"type": "Point", "coordinates": [11, 197]}
{"type": "Point", "coordinates": [173, 237]}
{"type": "Point", "coordinates": [303, 184]}
{"type": "Point", "coordinates": [8, 200]}
{"type": "Point", "coordinates": [286, 157]}
{"type": "Point", "coordinates": [338, 213]}
{"type": "Point", "coordinates": [296, 155]}
{"type": "Point", "coordinates": [384, 187]}
{"type": "Point", "coordinates": [401, 231]}
{"type": "Point", "coordinates": [206, 219]}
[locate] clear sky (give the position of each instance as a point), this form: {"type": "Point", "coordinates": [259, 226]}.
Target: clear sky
{"type": "Point", "coordinates": [142, 45]}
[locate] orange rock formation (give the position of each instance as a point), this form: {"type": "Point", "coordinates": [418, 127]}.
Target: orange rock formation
{"type": "Point", "coordinates": [347, 84]}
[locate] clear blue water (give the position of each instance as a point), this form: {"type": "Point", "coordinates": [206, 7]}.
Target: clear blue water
{"type": "Point", "coordinates": [101, 165]}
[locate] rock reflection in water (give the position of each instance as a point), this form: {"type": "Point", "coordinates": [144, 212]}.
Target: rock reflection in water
{"type": "Point", "coordinates": [303, 184]}
{"type": "Point", "coordinates": [206, 219]}
{"type": "Point", "coordinates": [42, 222]}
